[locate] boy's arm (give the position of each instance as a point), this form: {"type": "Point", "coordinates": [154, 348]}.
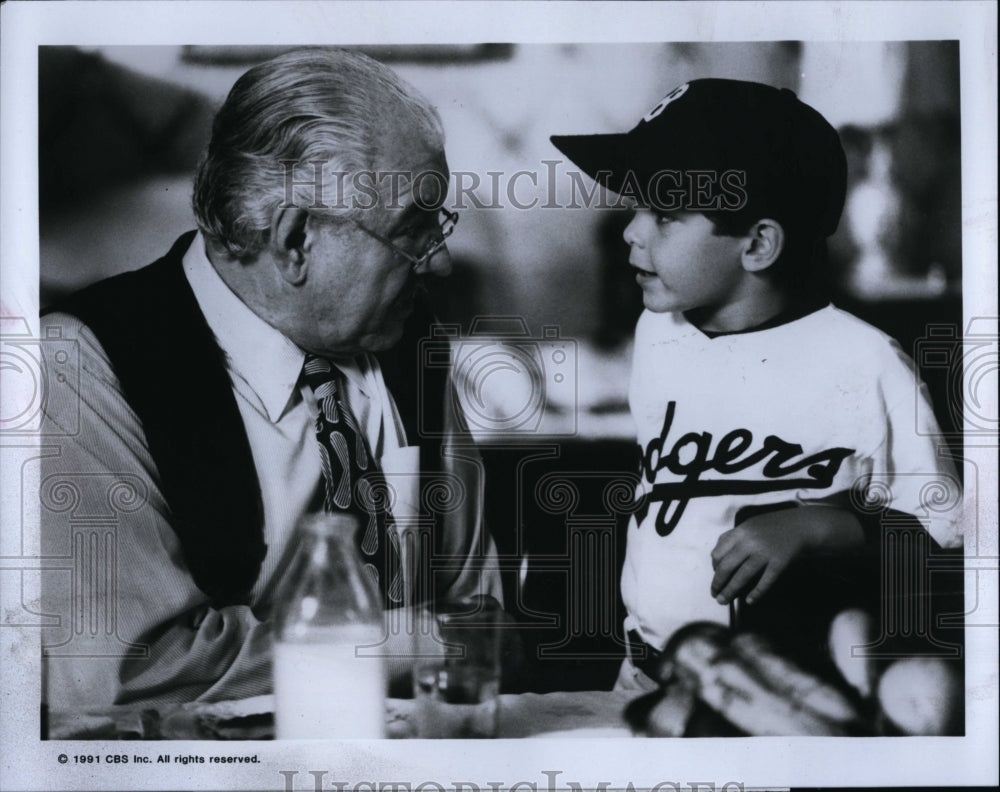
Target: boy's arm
{"type": "Point", "coordinates": [913, 484]}
{"type": "Point", "coordinates": [749, 558]}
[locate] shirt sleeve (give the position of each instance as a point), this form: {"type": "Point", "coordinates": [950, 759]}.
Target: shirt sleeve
{"type": "Point", "coordinates": [127, 623]}
{"type": "Point", "coordinates": [912, 470]}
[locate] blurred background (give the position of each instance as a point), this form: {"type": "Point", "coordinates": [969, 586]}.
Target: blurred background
{"type": "Point", "coordinates": [121, 130]}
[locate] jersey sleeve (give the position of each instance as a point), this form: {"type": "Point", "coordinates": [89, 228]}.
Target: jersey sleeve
{"type": "Point", "coordinates": [912, 469]}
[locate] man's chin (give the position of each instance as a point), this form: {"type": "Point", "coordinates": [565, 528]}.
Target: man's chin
{"type": "Point", "coordinates": [385, 338]}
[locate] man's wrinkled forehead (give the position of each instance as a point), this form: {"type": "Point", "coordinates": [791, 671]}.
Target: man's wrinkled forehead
{"type": "Point", "coordinates": [419, 189]}
{"type": "Point", "coordinates": [412, 169]}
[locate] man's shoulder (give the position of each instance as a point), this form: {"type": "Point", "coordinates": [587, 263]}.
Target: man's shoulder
{"type": "Point", "coordinates": [70, 342]}
{"type": "Point", "coordinates": [141, 314]}
{"type": "Point", "coordinates": [128, 292]}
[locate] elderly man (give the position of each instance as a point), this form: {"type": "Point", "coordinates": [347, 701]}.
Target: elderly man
{"type": "Point", "coordinates": [197, 411]}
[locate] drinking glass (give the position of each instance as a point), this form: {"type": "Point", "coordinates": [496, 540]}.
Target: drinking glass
{"type": "Point", "coordinates": [456, 677]}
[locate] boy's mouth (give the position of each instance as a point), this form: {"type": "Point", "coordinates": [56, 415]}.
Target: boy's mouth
{"type": "Point", "coordinates": [642, 273]}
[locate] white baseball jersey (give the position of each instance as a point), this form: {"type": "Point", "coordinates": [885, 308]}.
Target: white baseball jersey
{"type": "Point", "coordinates": [809, 410]}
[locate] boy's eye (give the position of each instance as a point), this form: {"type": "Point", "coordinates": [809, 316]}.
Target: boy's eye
{"type": "Point", "coordinates": [665, 219]}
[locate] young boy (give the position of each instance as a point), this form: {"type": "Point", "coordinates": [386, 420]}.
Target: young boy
{"type": "Point", "coordinates": [770, 423]}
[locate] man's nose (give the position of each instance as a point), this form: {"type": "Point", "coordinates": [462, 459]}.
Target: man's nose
{"type": "Point", "coordinates": [438, 264]}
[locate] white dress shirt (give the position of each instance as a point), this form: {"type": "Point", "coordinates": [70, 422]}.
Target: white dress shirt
{"type": "Point", "coordinates": [279, 409]}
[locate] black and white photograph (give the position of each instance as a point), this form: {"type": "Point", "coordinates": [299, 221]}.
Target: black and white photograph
{"type": "Point", "coordinates": [498, 396]}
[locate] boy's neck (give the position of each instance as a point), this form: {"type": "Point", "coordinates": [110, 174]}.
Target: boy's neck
{"type": "Point", "coordinates": [792, 307]}
{"type": "Point", "coordinates": [743, 314]}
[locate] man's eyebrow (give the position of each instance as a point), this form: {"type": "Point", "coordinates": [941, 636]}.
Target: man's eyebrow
{"type": "Point", "coordinates": [412, 211]}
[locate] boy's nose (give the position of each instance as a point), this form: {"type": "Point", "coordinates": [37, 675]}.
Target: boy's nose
{"type": "Point", "coordinates": [631, 232]}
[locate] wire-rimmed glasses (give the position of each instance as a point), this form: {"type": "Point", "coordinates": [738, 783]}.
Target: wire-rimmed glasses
{"type": "Point", "coordinates": [448, 221]}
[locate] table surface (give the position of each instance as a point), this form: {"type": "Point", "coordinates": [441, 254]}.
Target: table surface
{"type": "Point", "coordinates": [592, 713]}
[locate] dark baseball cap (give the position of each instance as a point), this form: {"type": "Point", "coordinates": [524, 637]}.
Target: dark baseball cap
{"type": "Point", "coordinates": [716, 145]}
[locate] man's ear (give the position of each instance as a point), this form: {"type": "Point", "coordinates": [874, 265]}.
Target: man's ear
{"type": "Point", "coordinates": [763, 244]}
{"type": "Point", "coordinates": [289, 242]}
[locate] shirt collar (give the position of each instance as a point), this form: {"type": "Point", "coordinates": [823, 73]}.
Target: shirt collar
{"type": "Point", "coordinates": [258, 353]}
{"type": "Point", "coordinates": [809, 304]}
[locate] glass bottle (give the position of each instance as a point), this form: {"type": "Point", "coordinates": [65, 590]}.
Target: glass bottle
{"type": "Point", "coordinates": [329, 677]}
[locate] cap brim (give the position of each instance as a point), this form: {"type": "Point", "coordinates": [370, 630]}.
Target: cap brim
{"type": "Point", "coordinates": [605, 158]}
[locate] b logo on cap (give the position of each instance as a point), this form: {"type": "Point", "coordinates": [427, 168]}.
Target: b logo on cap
{"type": "Point", "coordinates": [675, 94]}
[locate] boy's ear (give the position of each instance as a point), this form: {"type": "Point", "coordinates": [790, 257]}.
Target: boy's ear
{"type": "Point", "coordinates": [290, 242]}
{"type": "Point", "coordinates": [763, 244]}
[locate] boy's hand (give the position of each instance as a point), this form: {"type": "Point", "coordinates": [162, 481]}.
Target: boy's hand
{"type": "Point", "coordinates": [749, 558]}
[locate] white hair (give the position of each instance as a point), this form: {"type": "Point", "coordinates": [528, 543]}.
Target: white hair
{"type": "Point", "coordinates": [304, 109]}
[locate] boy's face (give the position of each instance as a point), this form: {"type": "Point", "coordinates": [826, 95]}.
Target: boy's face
{"type": "Point", "coordinates": [682, 265]}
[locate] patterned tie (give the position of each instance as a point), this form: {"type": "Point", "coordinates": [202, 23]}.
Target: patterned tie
{"type": "Point", "coordinates": [352, 477]}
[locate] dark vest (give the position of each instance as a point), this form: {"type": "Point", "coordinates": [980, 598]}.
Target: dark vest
{"type": "Point", "coordinates": [173, 374]}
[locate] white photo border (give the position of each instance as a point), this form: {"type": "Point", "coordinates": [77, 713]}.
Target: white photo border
{"type": "Point", "coordinates": [30, 763]}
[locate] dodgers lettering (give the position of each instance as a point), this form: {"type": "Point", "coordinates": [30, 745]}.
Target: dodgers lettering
{"type": "Point", "coordinates": [692, 454]}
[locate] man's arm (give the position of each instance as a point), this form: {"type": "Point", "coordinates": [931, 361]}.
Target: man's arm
{"type": "Point", "coordinates": [132, 625]}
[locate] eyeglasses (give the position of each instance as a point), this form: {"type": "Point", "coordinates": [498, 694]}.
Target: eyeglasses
{"type": "Point", "coordinates": [447, 222]}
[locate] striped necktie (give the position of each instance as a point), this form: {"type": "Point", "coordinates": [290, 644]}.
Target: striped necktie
{"type": "Point", "coordinates": [353, 480]}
